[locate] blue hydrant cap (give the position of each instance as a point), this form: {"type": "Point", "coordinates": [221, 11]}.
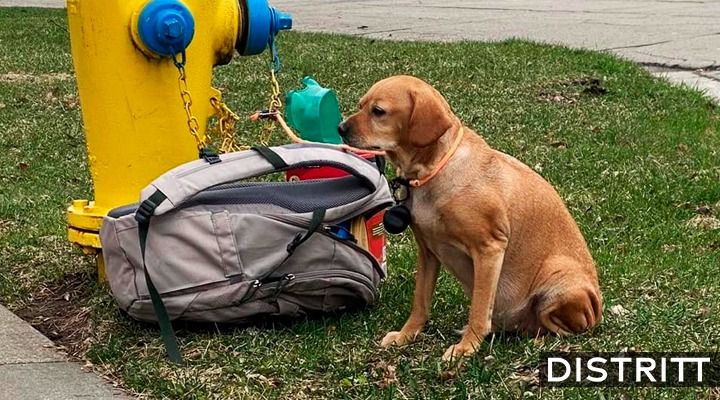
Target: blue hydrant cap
{"type": "Point", "coordinates": [166, 27]}
{"type": "Point", "coordinates": [263, 23]}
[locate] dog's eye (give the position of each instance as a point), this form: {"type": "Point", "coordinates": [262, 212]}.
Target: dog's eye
{"type": "Point", "coordinates": [377, 111]}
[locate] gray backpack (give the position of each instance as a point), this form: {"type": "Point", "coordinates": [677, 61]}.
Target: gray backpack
{"type": "Point", "coordinates": [203, 245]}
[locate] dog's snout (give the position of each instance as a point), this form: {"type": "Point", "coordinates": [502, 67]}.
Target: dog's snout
{"type": "Point", "coordinates": [343, 129]}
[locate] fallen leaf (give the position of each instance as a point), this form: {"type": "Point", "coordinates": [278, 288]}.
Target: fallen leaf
{"type": "Point", "coordinates": [447, 375]}
{"type": "Point", "coordinates": [703, 312]}
{"type": "Point", "coordinates": [618, 310]}
{"type": "Point", "coordinates": [558, 144]}
{"type": "Point", "coordinates": [51, 97]}
{"type": "Point", "coordinates": [389, 376]}
{"type": "Point", "coordinates": [707, 222]}
{"type": "Point", "coordinates": [668, 248]}
{"type": "Point", "coordinates": [70, 102]}
{"type": "Point", "coordinates": [262, 379]}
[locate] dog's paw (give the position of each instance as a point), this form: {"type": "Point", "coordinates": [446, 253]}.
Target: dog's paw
{"type": "Point", "coordinates": [457, 351]}
{"type": "Point", "coordinates": [396, 338]}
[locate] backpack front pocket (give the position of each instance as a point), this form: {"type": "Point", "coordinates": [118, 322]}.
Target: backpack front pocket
{"type": "Point", "coordinates": [189, 249]}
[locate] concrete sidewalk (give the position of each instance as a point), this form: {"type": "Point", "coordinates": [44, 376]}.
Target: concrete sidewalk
{"type": "Point", "coordinates": [31, 368]}
{"type": "Point", "coordinates": [677, 39]}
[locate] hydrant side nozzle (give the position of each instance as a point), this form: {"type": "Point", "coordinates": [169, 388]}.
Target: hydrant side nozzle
{"type": "Point", "coordinates": [281, 21]}
{"type": "Point", "coordinates": [261, 23]}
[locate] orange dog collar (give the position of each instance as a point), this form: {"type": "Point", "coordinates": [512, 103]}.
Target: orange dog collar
{"type": "Point", "coordinates": [442, 163]}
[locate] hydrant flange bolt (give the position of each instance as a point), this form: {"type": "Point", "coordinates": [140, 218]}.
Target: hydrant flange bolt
{"type": "Point", "coordinates": [172, 28]}
{"type": "Point", "coordinates": [166, 27]}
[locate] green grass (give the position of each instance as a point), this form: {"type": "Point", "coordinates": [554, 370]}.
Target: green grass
{"type": "Point", "coordinates": [633, 166]}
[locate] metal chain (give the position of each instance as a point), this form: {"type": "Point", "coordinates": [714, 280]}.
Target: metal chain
{"type": "Point", "coordinates": [226, 118]}
{"type": "Point", "coordinates": [225, 126]}
{"type": "Point", "coordinates": [275, 104]}
{"type": "Point", "coordinates": [274, 107]}
{"type": "Point", "coordinates": [192, 122]}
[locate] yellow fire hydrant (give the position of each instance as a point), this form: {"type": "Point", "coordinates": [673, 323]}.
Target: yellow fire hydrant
{"type": "Point", "coordinates": [128, 57]}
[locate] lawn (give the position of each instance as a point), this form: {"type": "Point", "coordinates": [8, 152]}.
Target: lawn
{"type": "Point", "coordinates": [635, 159]}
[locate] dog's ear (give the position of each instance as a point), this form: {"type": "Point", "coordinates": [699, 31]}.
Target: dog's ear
{"type": "Point", "coordinates": [430, 117]}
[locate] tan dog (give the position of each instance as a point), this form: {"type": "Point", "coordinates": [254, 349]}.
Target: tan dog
{"type": "Point", "coordinates": [498, 226]}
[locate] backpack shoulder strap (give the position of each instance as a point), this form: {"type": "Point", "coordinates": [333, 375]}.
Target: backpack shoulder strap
{"type": "Point", "coordinates": [187, 180]}
{"type": "Point", "coordinates": [143, 217]}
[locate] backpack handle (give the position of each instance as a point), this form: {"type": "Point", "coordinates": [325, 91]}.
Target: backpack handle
{"type": "Point", "coordinates": [185, 181]}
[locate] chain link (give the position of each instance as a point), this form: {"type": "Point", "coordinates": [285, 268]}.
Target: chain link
{"type": "Point", "coordinates": [226, 119]}
{"type": "Point", "coordinates": [275, 103]}
{"type": "Point", "coordinates": [225, 126]}
{"type": "Point", "coordinates": [192, 122]}
{"type": "Point", "coordinates": [274, 106]}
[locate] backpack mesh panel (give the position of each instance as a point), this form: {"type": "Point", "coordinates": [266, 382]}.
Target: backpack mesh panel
{"type": "Point", "coordinates": [300, 197]}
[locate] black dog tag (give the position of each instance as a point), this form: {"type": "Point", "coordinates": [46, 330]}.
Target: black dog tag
{"type": "Point", "coordinates": [396, 219]}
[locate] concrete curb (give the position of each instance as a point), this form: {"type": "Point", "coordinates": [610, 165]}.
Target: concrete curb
{"type": "Point", "coordinates": [31, 368]}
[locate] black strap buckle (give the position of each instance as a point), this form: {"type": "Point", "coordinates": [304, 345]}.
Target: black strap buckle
{"type": "Point", "coordinates": [380, 163]}
{"type": "Point", "coordinates": [266, 114]}
{"type": "Point", "coordinates": [400, 189]}
{"type": "Point", "coordinates": [209, 156]}
{"type": "Point", "coordinates": [145, 211]}
{"type": "Point", "coordinates": [148, 206]}
{"type": "Point", "coordinates": [295, 243]}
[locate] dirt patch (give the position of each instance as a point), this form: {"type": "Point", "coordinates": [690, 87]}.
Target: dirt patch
{"type": "Point", "coordinates": [705, 218]}
{"type": "Point", "coordinates": [58, 312]}
{"type": "Point", "coordinates": [570, 91]}
{"type": "Point", "coordinates": [15, 77]}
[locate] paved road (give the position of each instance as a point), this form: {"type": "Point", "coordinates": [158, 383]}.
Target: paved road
{"type": "Point", "coordinates": [33, 3]}
{"type": "Point", "coordinates": [679, 39]}
{"type": "Point", "coordinates": [675, 33]}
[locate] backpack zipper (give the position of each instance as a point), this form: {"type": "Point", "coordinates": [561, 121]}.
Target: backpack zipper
{"type": "Point", "coordinates": [354, 276]}
{"type": "Point", "coordinates": [282, 281]}
{"type": "Point", "coordinates": [229, 279]}
{"type": "Point", "coordinates": [323, 231]}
